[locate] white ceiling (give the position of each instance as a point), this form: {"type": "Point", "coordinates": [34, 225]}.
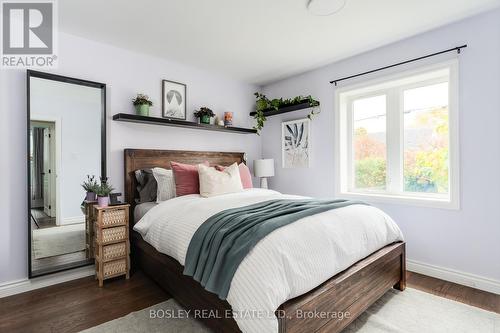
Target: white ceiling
{"type": "Point", "coordinates": [257, 41]}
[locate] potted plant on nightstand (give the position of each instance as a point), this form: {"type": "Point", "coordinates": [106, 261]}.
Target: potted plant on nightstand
{"type": "Point", "coordinates": [90, 186]}
{"type": "Point", "coordinates": [103, 191]}
{"type": "Point", "coordinates": [142, 104]}
{"type": "Point", "coordinates": [204, 114]}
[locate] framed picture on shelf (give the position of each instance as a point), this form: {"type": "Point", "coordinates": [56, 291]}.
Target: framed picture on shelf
{"type": "Point", "coordinates": [295, 143]}
{"type": "Point", "coordinates": [174, 100]}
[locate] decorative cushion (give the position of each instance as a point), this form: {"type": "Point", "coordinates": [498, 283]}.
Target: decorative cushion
{"type": "Point", "coordinates": [213, 182]}
{"type": "Point", "coordinates": [166, 184]}
{"type": "Point", "coordinates": [146, 185]}
{"type": "Point", "coordinates": [245, 175]}
{"type": "Point", "coordinates": [186, 178]}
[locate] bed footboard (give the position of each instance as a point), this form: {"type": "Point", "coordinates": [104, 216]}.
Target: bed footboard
{"type": "Point", "coordinates": [337, 302]}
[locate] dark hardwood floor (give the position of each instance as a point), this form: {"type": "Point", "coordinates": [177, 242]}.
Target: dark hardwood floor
{"type": "Point", "coordinates": [453, 291]}
{"type": "Point", "coordinates": [40, 220]}
{"type": "Point", "coordinates": [77, 305]}
{"type": "Point", "coordinates": [62, 261]}
{"type": "Point", "coordinates": [80, 304]}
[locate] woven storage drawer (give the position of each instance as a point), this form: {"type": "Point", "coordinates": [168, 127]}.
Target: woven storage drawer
{"type": "Point", "coordinates": [113, 217]}
{"type": "Point", "coordinates": [111, 235]}
{"type": "Point", "coordinates": [114, 267]}
{"type": "Point", "coordinates": [112, 251]}
{"type": "Point", "coordinates": [111, 240]}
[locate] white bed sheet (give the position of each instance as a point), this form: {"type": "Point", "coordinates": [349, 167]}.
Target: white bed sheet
{"type": "Point", "coordinates": [288, 262]}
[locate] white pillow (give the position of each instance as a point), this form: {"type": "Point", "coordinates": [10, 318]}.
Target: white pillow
{"type": "Point", "coordinates": [213, 182]}
{"type": "Point", "coordinates": [166, 184]}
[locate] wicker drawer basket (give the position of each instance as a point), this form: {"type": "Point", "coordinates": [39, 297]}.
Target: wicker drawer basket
{"type": "Point", "coordinates": [112, 251]}
{"type": "Point", "coordinates": [113, 268]}
{"type": "Point", "coordinates": [111, 235]}
{"type": "Point", "coordinates": [112, 246]}
{"type": "Point", "coordinates": [113, 217]}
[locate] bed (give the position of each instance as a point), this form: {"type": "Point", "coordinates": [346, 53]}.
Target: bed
{"type": "Point", "coordinates": [352, 290]}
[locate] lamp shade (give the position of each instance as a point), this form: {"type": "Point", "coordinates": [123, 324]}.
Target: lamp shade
{"type": "Point", "coordinates": [263, 168]}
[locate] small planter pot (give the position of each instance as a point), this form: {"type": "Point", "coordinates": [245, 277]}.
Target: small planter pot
{"type": "Point", "coordinates": [103, 201]}
{"type": "Point", "coordinates": [228, 119]}
{"type": "Point", "coordinates": [142, 110]}
{"type": "Point", "coordinates": [91, 196]}
{"type": "Point", "coordinates": [205, 119]}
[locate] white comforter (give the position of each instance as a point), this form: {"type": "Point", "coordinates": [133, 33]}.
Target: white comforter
{"type": "Point", "coordinates": [288, 262]}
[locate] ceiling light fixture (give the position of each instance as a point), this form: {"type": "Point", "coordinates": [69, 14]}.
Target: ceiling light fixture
{"type": "Point", "coordinates": [325, 7]}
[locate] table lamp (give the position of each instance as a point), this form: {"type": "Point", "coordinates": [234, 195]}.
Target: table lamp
{"type": "Point", "coordinates": [263, 168]}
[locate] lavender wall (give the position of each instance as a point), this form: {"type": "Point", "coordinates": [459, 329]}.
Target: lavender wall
{"type": "Point", "coordinates": [125, 73]}
{"type": "Point", "coordinates": [466, 240]}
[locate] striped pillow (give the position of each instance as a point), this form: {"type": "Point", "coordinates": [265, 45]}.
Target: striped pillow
{"type": "Point", "coordinates": [166, 184]}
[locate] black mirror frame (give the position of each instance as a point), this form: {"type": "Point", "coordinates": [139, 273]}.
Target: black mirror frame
{"type": "Point", "coordinates": [65, 79]}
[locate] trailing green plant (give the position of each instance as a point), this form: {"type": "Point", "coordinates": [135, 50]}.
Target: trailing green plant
{"type": "Point", "coordinates": [204, 111]}
{"type": "Point", "coordinates": [142, 99]}
{"type": "Point", "coordinates": [263, 104]}
{"type": "Point", "coordinates": [104, 189]}
{"type": "Point", "coordinates": [90, 184]}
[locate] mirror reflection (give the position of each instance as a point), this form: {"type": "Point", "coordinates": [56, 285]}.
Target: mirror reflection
{"type": "Point", "coordinates": [65, 146]}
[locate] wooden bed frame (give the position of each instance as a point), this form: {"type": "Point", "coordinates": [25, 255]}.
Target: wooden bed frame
{"type": "Point", "coordinates": [350, 292]}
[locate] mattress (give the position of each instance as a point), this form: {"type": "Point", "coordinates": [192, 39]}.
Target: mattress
{"type": "Point", "coordinates": [141, 210]}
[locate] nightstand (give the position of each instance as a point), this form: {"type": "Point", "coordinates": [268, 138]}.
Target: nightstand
{"type": "Point", "coordinates": [112, 245]}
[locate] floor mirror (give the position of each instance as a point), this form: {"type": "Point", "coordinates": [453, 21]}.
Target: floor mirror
{"type": "Point", "coordinates": [66, 142]}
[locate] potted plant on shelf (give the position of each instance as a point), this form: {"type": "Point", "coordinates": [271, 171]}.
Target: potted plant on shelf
{"type": "Point", "coordinates": [103, 191]}
{"type": "Point", "coordinates": [264, 104]}
{"type": "Point", "coordinates": [142, 104]}
{"type": "Point", "coordinates": [90, 186]}
{"type": "Point", "coordinates": [204, 114]}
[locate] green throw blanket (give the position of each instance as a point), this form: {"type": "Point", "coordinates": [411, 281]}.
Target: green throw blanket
{"type": "Point", "coordinates": [221, 243]}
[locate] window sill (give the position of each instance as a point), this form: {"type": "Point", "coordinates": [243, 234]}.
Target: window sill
{"type": "Point", "coordinates": [443, 203]}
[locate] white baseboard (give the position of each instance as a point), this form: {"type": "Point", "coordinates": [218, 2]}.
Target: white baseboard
{"type": "Point", "coordinates": [73, 220]}
{"type": "Point", "coordinates": [23, 285]}
{"type": "Point", "coordinates": [466, 279]}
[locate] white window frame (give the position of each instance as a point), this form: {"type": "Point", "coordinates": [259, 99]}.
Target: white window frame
{"type": "Point", "coordinates": [343, 137]}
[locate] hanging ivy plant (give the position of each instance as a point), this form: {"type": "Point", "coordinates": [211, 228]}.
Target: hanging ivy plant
{"type": "Point", "coordinates": [264, 104]}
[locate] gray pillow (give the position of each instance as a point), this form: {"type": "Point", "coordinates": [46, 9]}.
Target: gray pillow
{"type": "Point", "coordinates": [146, 186]}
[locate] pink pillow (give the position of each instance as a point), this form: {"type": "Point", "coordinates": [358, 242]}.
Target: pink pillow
{"type": "Point", "coordinates": [246, 177]}
{"type": "Point", "coordinates": [186, 178]}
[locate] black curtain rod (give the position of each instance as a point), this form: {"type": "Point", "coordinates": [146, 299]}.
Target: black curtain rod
{"type": "Point", "coordinates": [458, 49]}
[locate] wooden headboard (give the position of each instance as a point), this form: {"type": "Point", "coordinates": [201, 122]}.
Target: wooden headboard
{"type": "Point", "coordinates": [136, 159]}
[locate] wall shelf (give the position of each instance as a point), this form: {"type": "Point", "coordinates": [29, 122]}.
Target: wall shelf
{"type": "Point", "coordinates": [132, 118]}
{"type": "Point", "coordinates": [286, 109]}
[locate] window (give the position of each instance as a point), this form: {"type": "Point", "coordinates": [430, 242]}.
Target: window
{"type": "Point", "coordinates": [398, 138]}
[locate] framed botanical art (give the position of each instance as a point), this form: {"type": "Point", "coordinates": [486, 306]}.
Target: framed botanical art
{"type": "Point", "coordinates": [295, 143]}
{"type": "Point", "coordinates": [174, 100]}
